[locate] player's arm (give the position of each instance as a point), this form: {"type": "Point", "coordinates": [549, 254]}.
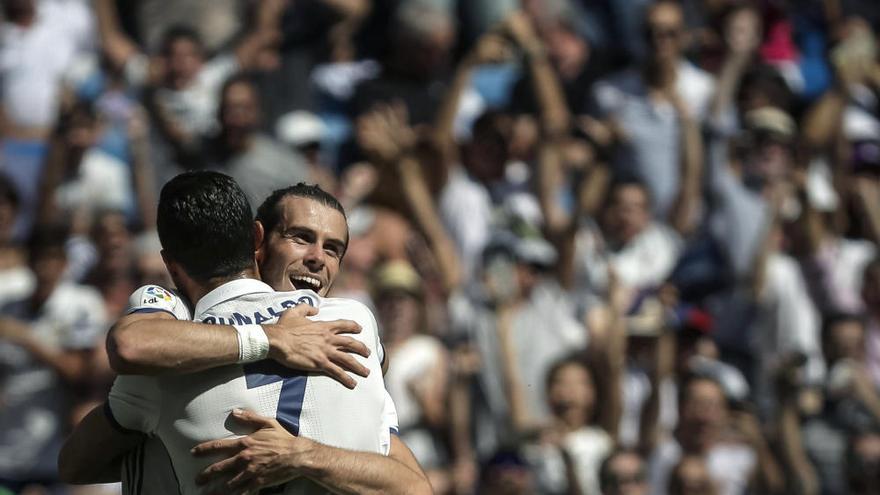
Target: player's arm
{"type": "Point", "coordinates": [271, 456]}
{"type": "Point", "coordinates": [93, 453]}
{"type": "Point", "coordinates": [152, 340]}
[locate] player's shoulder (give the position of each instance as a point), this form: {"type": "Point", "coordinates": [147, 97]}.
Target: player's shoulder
{"type": "Point", "coordinates": [151, 298]}
{"type": "Point", "coordinates": [346, 304]}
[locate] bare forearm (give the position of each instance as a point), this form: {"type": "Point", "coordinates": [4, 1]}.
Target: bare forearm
{"type": "Point", "coordinates": [728, 80]}
{"type": "Point", "coordinates": [71, 366]}
{"type": "Point", "coordinates": [116, 45]}
{"type": "Point", "coordinates": [443, 123]}
{"type": "Point", "coordinates": [554, 112]}
{"type": "Point", "coordinates": [692, 156]}
{"type": "Point", "coordinates": [793, 449]}
{"type": "Point", "coordinates": [346, 472]}
{"type": "Point", "coordinates": [152, 347]}
{"type": "Point", "coordinates": [93, 452]}
{"type": "Point", "coordinates": [823, 120]}
{"type": "Point", "coordinates": [422, 205]}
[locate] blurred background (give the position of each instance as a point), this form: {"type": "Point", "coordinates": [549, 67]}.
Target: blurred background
{"type": "Point", "coordinates": [614, 246]}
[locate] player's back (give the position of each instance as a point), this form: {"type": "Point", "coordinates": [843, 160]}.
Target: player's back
{"type": "Point", "coordinates": [196, 408]}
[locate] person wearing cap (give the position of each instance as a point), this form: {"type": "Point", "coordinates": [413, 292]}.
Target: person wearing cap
{"type": "Point", "coordinates": [417, 370]}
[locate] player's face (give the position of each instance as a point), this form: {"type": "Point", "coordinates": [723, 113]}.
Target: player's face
{"type": "Point", "coordinates": [305, 249]}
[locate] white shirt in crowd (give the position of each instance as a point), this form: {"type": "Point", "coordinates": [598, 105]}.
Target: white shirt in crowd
{"type": "Point", "coordinates": [730, 465]}
{"type": "Point", "coordinates": [34, 60]}
{"type": "Point", "coordinates": [411, 362]}
{"type": "Point", "coordinates": [652, 127]}
{"type": "Point", "coordinates": [643, 263]}
{"type": "Point", "coordinates": [588, 448]}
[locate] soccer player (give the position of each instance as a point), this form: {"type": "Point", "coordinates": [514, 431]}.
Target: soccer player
{"type": "Point", "coordinates": [195, 407]}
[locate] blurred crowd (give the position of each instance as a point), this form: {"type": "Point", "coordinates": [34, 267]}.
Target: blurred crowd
{"type": "Point", "coordinates": [613, 246]}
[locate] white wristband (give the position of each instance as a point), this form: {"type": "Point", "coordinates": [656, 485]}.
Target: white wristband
{"type": "Point", "coordinates": [253, 345]}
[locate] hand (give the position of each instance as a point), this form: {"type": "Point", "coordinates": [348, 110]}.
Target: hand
{"type": "Point", "coordinates": [317, 346]}
{"type": "Point", "coordinates": [491, 48]}
{"type": "Point", "coordinates": [266, 457]}
{"type": "Point", "coordinates": [747, 425]}
{"type": "Point", "coordinates": [519, 27]}
{"type": "Point", "coordinates": [384, 133]}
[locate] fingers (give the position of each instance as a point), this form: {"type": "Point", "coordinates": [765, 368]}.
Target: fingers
{"type": "Point", "coordinates": [227, 447]}
{"type": "Point", "coordinates": [253, 419]}
{"type": "Point", "coordinates": [217, 469]}
{"type": "Point", "coordinates": [349, 363]}
{"type": "Point", "coordinates": [243, 483]}
{"type": "Point", "coordinates": [348, 344]}
{"type": "Point", "coordinates": [338, 374]}
{"type": "Point", "coordinates": [298, 311]}
{"type": "Point", "coordinates": [343, 326]}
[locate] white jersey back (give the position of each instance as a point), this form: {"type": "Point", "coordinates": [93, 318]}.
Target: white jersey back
{"type": "Point", "coordinates": [196, 408]}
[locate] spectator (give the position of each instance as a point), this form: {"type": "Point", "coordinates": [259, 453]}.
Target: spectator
{"type": "Point", "coordinates": [182, 86]}
{"type": "Point", "coordinates": [731, 444]}
{"type": "Point", "coordinates": [419, 56]}
{"type": "Point", "coordinates": [113, 274]}
{"type": "Point", "coordinates": [417, 375]}
{"type": "Point", "coordinates": [623, 473]}
{"type": "Point", "coordinates": [645, 102]}
{"type": "Point", "coordinates": [575, 443]}
{"type": "Point", "coordinates": [41, 41]}
{"type": "Point", "coordinates": [527, 301]}
{"type": "Point", "coordinates": [253, 159]}
{"type": "Point", "coordinates": [863, 464]}
{"type": "Point", "coordinates": [79, 179]}
{"type": "Point", "coordinates": [506, 473]}
{"type": "Point", "coordinates": [641, 252]}
{"type": "Point", "coordinates": [46, 342]}
{"type": "Point", "coordinates": [691, 477]}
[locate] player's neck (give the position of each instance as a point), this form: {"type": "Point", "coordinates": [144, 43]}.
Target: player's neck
{"type": "Point", "coordinates": [196, 291]}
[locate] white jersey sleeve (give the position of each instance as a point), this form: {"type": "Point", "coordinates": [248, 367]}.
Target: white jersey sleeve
{"type": "Point", "coordinates": [153, 298]}
{"type": "Point", "coordinates": [134, 403]}
{"type": "Point", "coordinates": [389, 423]}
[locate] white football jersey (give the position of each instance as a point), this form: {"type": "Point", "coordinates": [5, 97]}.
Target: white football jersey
{"type": "Point", "coordinates": [186, 410]}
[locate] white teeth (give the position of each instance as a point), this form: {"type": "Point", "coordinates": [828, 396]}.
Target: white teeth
{"type": "Point", "coordinates": [309, 280]}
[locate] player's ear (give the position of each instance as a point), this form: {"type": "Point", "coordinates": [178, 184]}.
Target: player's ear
{"type": "Point", "coordinates": [259, 237]}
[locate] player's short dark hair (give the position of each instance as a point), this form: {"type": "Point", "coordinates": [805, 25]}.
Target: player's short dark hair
{"type": "Point", "coordinates": [205, 224]}
{"type": "Point", "coordinates": [268, 212]}
{"type": "Point", "coordinates": [179, 32]}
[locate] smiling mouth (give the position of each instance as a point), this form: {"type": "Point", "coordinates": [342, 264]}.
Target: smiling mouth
{"type": "Point", "coordinates": [301, 282]}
